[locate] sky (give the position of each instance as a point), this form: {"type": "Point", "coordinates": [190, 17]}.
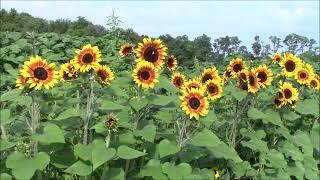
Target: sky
{"type": "Point", "coordinates": [244, 19]}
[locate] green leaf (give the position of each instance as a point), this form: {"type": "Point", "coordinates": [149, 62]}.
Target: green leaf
{"type": "Point", "coordinates": [83, 151]}
{"type": "Point", "coordinates": [160, 100]}
{"type": "Point", "coordinates": [138, 104]}
{"type": "Point", "coordinates": [256, 145]}
{"type": "Point", "coordinates": [5, 176]}
{"type": "Point", "coordinates": [79, 168]}
{"type": "Point", "coordinates": [205, 138]}
{"type": "Point", "coordinates": [101, 154]}
{"type": "Point", "coordinates": [273, 117]}
{"type": "Point", "coordinates": [23, 167]}
{"type": "Point", "coordinates": [291, 116]}
{"type": "Point", "coordinates": [165, 116]}
{"type": "Point", "coordinates": [126, 152]}
{"type": "Point", "coordinates": [4, 144]}
{"type": "Point", "coordinates": [223, 151]}
{"type": "Point", "coordinates": [237, 93]}
{"type": "Point", "coordinates": [254, 113]}
{"type": "Point", "coordinates": [153, 169]}
{"type": "Point", "coordinates": [308, 106]}
{"type": "Point", "coordinates": [11, 95]}
{"type": "Point", "coordinates": [109, 105]}
{"type": "Point", "coordinates": [209, 118]}
{"type": "Point", "coordinates": [177, 172]}
{"type": "Point", "coordinates": [5, 116]}
{"type": "Point", "coordinates": [291, 151]}
{"type": "Point", "coordinates": [315, 135]}
{"type": "Point", "coordinates": [297, 170]}
{"type": "Point", "coordinates": [51, 134]}
{"type": "Point", "coordinates": [72, 112]}
{"type": "Point", "coordinates": [167, 148]}
{"type": "Point", "coordinates": [275, 159]}
{"type": "Point", "coordinates": [115, 174]}
{"type": "Point", "coordinates": [303, 140]}
{"type": "Point", "coordinates": [148, 133]}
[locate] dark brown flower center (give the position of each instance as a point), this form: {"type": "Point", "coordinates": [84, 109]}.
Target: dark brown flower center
{"type": "Point", "coordinates": [87, 58]}
{"type": "Point", "coordinates": [302, 75]}
{"type": "Point", "coordinates": [287, 93]}
{"type": "Point", "coordinates": [206, 77]}
{"type": "Point", "coordinates": [243, 76]}
{"type": "Point", "coordinates": [262, 76]}
{"type": "Point", "coordinates": [102, 74]}
{"type": "Point", "coordinates": [212, 89]}
{"type": "Point", "coordinates": [145, 75]}
{"type": "Point", "coordinates": [179, 82]}
{"type": "Point", "coordinates": [151, 54]}
{"type": "Point", "coordinates": [278, 59]}
{"type": "Point", "coordinates": [313, 83]}
{"type": "Point", "coordinates": [280, 95]}
{"type": "Point", "coordinates": [237, 67]}
{"type": "Point", "coordinates": [277, 101]}
{"type": "Point", "coordinates": [41, 73]}
{"type": "Point", "coordinates": [290, 65]}
{"type": "Point", "coordinates": [194, 103]}
{"type": "Point", "coordinates": [252, 80]}
{"type": "Point", "coordinates": [228, 74]}
{"type": "Point", "coordinates": [127, 50]}
{"type": "Point", "coordinates": [243, 85]}
{"type": "Point", "coordinates": [170, 62]}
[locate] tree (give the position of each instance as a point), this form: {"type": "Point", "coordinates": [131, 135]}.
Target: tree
{"type": "Point", "coordinates": [275, 41]}
{"type": "Point", "coordinates": [202, 48]}
{"type": "Point", "coordinates": [256, 46]}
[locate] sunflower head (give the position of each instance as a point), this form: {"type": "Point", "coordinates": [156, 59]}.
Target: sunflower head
{"type": "Point", "coordinates": [253, 82]}
{"type": "Point", "coordinates": [290, 93]}
{"type": "Point", "coordinates": [87, 58]}
{"type": "Point", "coordinates": [194, 103]}
{"type": "Point", "coordinates": [171, 63]}
{"type": "Point", "coordinates": [126, 50]}
{"type": "Point", "coordinates": [213, 89]}
{"type": "Point", "coordinates": [68, 72]}
{"type": "Point", "coordinates": [303, 76]}
{"type": "Point", "coordinates": [104, 74]}
{"type": "Point", "coordinates": [235, 66]}
{"type": "Point", "coordinates": [192, 84]}
{"type": "Point", "coordinates": [276, 58]}
{"type": "Point", "coordinates": [145, 74]}
{"type": "Point", "coordinates": [152, 51]}
{"type": "Point", "coordinates": [290, 64]}
{"type": "Point", "coordinates": [39, 73]}
{"type": "Point", "coordinates": [21, 82]}
{"type": "Point", "coordinates": [210, 74]}
{"type": "Point", "coordinates": [278, 101]}
{"type": "Point", "coordinates": [314, 83]}
{"type": "Point", "coordinates": [111, 121]}
{"type": "Point", "coordinates": [264, 74]}
{"type": "Point", "coordinates": [178, 80]}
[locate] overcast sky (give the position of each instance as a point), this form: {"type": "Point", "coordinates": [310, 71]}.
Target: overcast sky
{"type": "Point", "coordinates": [219, 18]}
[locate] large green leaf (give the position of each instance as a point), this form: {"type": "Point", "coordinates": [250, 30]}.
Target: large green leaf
{"type": "Point", "coordinates": [168, 148]}
{"type": "Point", "coordinates": [315, 135]}
{"type": "Point", "coordinates": [273, 117]}
{"type": "Point", "coordinates": [23, 167]}
{"type": "Point", "coordinates": [161, 100]}
{"type": "Point", "coordinates": [275, 159]}
{"type": "Point", "coordinates": [101, 154]}
{"type": "Point", "coordinates": [223, 151]}
{"type": "Point", "coordinates": [256, 145]}
{"type": "Point", "coordinates": [291, 151]}
{"type": "Point", "coordinates": [138, 104]}
{"type": "Point", "coordinates": [115, 174]}
{"type": "Point", "coordinates": [303, 140]}
{"type": "Point", "coordinates": [177, 172]}
{"type": "Point", "coordinates": [79, 168]}
{"type": "Point", "coordinates": [308, 106]}
{"type": "Point", "coordinates": [205, 138]}
{"type": "Point", "coordinates": [126, 152]}
{"type": "Point", "coordinates": [68, 113]}
{"type": "Point", "coordinates": [5, 116]}
{"type": "Point", "coordinates": [254, 113]}
{"type": "Point", "coordinates": [4, 144]}
{"type": "Point", "coordinates": [109, 105]}
{"type": "Point", "coordinates": [5, 176]}
{"type": "Point", "coordinates": [83, 151]}
{"type": "Point", "coordinates": [148, 132]}
{"type": "Point", "coordinates": [153, 169]}
{"type": "Point", "coordinates": [51, 134]}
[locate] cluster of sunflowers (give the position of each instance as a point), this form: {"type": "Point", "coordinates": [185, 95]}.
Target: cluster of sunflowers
{"type": "Point", "coordinates": [38, 73]}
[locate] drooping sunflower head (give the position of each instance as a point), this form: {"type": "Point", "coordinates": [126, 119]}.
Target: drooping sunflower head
{"type": "Point", "coordinates": [213, 89]}
{"type": "Point", "coordinates": [145, 74]}
{"type": "Point", "coordinates": [289, 64]}
{"type": "Point", "coordinates": [264, 74]}
{"type": "Point", "coordinates": [152, 51]}
{"type": "Point", "coordinates": [314, 83]}
{"type": "Point", "coordinates": [194, 103]}
{"type": "Point", "coordinates": [171, 63]}
{"type": "Point", "coordinates": [111, 121]}
{"type": "Point", "coordinates": [87, 58]}
{"type": "Point", "coordinates": [21, 82]}
{"type": "Point", "coordinates": [104, 74]}
{"type": "Point", "coordinates": [39, 73]}
{"type": "Point", "coordinates": [253, 82]}
{"type": "Point", "coordinates": [278, 101]}
{"type": "Point", "coordinates": [126, 50]}
{"type": "Point", "coordinates": [209, 74]}
{"type": "Point", "coordinates": [276, 58]}
{"type": "Point", "coordinates": [235, 66]}
{"type": "Point", "coordinates": [68, 72]}
{"type": "Point", "coordinates": [242, 81]}
{"type": "Point", "coordinates": [192, 84]}
{"type": "Point", "coordinates": [303, 76]}
{"type": "Point", "coordinates": [178, 80]}
{"type": "Point", "coordinates": [290, 93]}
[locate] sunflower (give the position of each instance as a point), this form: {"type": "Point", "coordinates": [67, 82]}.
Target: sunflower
{"type": "Point", "coordinates": [178, 80]}
{"type": "Point", "coordinates": [210, 74]}
{"type": "Point", "coordinates": [126, 50]}
{"type": "Point", "coordinates": [303, 76]}
{"type": "Point", "coordinates": [172, 63]}
{"type": "Point", "coordinates": [145, 74]}
{"type": "Point", "coordinates": [235, 66]}
{"type": "Point", "coordinates": [264, 74]}
{"type": "Point", "coordinates": [290, 93]}
{"type": "Point", "coordinates": [152, 51]}
{"type": "Point", "coordinates": [191, 84]}
{"type": "Point", "coordinates": [21, 82]}
{"type": "Point", "coordinates": [242, 82]}
{"type": "Point", "coordinates": [87, 58]}
{"type": "Point", "coordinates": [104, 74]}
{"type": "Point", "coordinates": [289, 64]}
{"type": "Point", "coordinates": [39, 73]}
{"type": "Point", "coordinates": [314, 83]}
{"type": "Point", "coordinates": [216, 172]}
{"type": "Point", "coordinates": [111, 121]}
{"type": "Point", "coordinates": [213, 89]}
{"type": "Point", "coordinates": [253, 82]}
{"type": "Point", "coordinates": [68, 72]}
{"type": "Point", "coordinates": [194, 103]}
{"type": "Point", "coordinates": [276, 58]}
{"type": "Point", "coordinates": [278, 100]}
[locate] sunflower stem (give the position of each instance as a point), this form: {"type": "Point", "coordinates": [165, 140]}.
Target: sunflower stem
{"type": "Point", "coordinates": [108, 139]}
{"type": "Point", "coordinates": [35, 116]}
{"type": "Point", "coordinates": [90, 98]}
{"type": "Point", "coordinates": [3, 133]}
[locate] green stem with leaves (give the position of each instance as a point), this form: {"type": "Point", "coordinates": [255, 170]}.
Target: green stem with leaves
{"type": "Point", "coordinates": [90, 99]}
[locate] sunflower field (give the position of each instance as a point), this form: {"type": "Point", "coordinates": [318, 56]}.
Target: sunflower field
{"type": "Point", "coordinates": [95, 108]}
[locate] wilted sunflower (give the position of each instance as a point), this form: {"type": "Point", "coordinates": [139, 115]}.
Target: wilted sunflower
{"type": "Point", "coordinates": [126, 50]}
{"type": "Point", "coordinates": [171, 63]}
{"type": "Point", "coordinates": [209, 74]}
{"type": "Point", "coordinates": [39, 73]}
{"type": "Point", "coordinates": [178, 80]}
{"type": "Point", "coordinates": [68, 72]}
{"type": "Point", "coordinates": [253, 82]}
{"type": "Point", "coordinates": [21, 82]}
{"type": "Point", "coordinates": [111, 121]}
{"type": "Point", "coordinates": [290, 93]}
{"type": "Point", "coordinates": [213, 89]}
{"type": "Point", "coordinates": [104, 74]}
{"type": "Point", "coordinates": [278, 101]}
{"type": "Point", "coordinates": [289, 64]}
{"type": "Point", "coordinates": [314, 83]}
{"type": "Point", "coordinates": [87, 58]}
{"type": "Point", "coordinates": [145, 74]}
{"type": "Point", "coordinates": [264, 74]}
{"type": "Point", "coordinates": [194, 103]}
{"type": "Point", "coordinates": [235, 66]}
{"type": "Point", "coordinates": [151, 51]}
{"type": "Point", "coordinates": [276, 58]}
{"type": "Point", "coordinates": [191, 84]}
